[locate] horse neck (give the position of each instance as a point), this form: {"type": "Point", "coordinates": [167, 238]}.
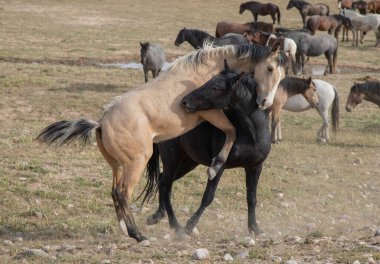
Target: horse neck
{"type": "Point", "coordinates": [198, 37]}
{"type": "Point", "coordinates": [249, 117]}
{"type": "Point", "coordinates": [300, 4]}
{"type": "Point", "coordinates": [291, 89]}
{"type": "Point", "coordinates": [372, 97]}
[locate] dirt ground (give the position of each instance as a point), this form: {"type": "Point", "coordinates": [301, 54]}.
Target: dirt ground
{"type": "Point", "coordinates": [316, 203]}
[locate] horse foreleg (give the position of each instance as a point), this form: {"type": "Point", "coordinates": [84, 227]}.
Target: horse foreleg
{"type": "Point", "coordinates": [218, 119]}
{"type": "Point", "coordinates": [208, 197]}
{"type": "Point", "coordinates": [279, 130]}
{"type": "Point", "coordinates": [302, 62]}
{"type": "Point", "coordinates": [329, 59]}
{"type": "Point", "coordinates": [252, 176]}
{"type": "Point", "coordinates": [275, 119]}
{"type": "Point", "coordinates": [146, 75]}
{"type": "Point", "coordinates": [273, 18]}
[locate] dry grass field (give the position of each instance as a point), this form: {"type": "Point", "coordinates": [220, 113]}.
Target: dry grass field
{"type": "Point", "coordinates": [317, 203]}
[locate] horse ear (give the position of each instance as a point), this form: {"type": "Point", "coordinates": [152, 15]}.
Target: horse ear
{"type": "Point", "coordinates": [309, 80]}
{"type": "Point", "coordinates": [226, 67]}
{"type": "Point", "coordinates": [142, 45]}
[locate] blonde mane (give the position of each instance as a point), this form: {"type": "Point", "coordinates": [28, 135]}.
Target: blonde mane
{"type": "Point", "coordinates": [209, 50]}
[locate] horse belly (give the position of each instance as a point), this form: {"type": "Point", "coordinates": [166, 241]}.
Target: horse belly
{"type": "Point", "coordinates": [296, 103]}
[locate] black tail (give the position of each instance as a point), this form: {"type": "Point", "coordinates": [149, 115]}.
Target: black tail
{"type": "Point", "coordinates": [152, 174]}
{"type": "Point", "coordinates": [335, 113]}
{"type": "Point", "coordinates": [65, 132]}
{"type": "Point", "coordinates": [328, 10]}
{"type": "Point", "coordinates": [278, 16]}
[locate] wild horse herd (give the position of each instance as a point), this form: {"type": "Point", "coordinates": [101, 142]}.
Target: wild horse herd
{"type": "Point", "coordinates": [214, 105]}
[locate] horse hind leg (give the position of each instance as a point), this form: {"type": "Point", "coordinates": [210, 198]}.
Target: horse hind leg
{"type": "Point", "coordinates": [126, 174]}
{"type": "Point", "coordinates": [117, 173]}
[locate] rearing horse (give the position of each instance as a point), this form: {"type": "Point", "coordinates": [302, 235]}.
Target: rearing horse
{"type": "Point", "coordinates": [151, 113]}
{"type": "Point", "coordinates": [307, 9]}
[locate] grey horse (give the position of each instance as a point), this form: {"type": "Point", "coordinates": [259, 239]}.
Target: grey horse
{"type": "Point", "coordinates": [152, 59]}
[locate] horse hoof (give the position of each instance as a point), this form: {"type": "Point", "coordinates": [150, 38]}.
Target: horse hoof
{"type": "Point", "coordinates": [152, 220]}
{"type": "Point", "coordinates": [182, 235]}
{"type": "Point", "coordinates": [144, 242]}
{"type": "Point", "coordinates": [322, 141]}
{"type": "Point", "coordinates": [256, 231]}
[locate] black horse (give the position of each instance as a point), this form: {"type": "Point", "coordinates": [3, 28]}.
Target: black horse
{"type": "Point", "coordinates": [307, 9]}
{"type": "Point", "coordinates": [257, 9]}
{"type": "Point", "coordinates": [182, 154]}
{"type": "Point", "coordinates": [197, 38]}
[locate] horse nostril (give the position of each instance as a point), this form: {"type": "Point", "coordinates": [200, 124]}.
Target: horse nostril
{"type": "Point", "coordinates": [184, 103]}
{"type": "Point", "coordinates": [264, 102]}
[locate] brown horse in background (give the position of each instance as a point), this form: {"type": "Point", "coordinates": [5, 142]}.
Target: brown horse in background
{"type": "Point", "coordinates": [332, 24]}
{"type": "Point", "coordinates": [361, 5]}
{"type": "Point", "coordinates": [257, 9]}
{"type": "Point", "coordinates": [342, 4]}
{"type": "Point", "coordinates": [224, 27]}
{"type": "Point", "coordinates": [369, 91]}
{"type": "Point", "coordinates": [306, 9]}
{"type": "Point", "coordinates": [374, 7]}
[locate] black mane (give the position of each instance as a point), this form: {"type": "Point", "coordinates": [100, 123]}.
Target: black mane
{"type": "Point", "coordinates": [367, 87]}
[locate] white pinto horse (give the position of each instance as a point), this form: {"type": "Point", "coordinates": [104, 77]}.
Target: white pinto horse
{"type": "Point", "coordinates": [362, 24]}
{"type": "Point", "coordinates": [327, 96]}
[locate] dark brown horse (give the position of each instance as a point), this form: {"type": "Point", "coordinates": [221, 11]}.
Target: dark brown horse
{"type": "Point", "coordinates": [257, 9]}
{"type": "Point", "coordinates": [360, 5]}
{"type": "Point", "coordinates": [343, 4]}
{"type": "Point", "coordinates": [332, 24]}
{"type": "Point", "coordinates": [369, 91]}
{"type": "Point", "coordinates": [224, 27]}
{"type": "Point", "coordinates": [307, 9]}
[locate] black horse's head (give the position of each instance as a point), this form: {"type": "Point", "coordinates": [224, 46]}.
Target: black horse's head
{"type": "Point", "coordinates": [347, 22]}
{"type": "Point", "coordinates": [219, 92]}
{"type": "Point", "coordinates": [290, 5]}
{"type": "Point", "coordinates": [180, 37]}
{"type": "Point", "coordinates": [242, 8]}
{"type": "Point", "coordinates": [144, 52]}
{"type": "Point", "coordinates": [360, 5]}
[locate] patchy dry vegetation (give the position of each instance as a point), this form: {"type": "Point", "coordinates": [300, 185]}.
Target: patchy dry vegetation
{"type": "Point", "coordinates": [317, 203]}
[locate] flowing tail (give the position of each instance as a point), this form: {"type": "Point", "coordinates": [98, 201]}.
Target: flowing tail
{"type": "Point", "coordinates": [65, 132]}
{"type": "Point", "coordinates": [152, 176]}
{"type": "Point", "coordinates": [278, 16]}
{"type": "Point", "coordinates": [335, 112]}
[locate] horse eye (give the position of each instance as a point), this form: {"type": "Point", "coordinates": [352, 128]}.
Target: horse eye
{"type": "Point", "coordinates": [270, 68]}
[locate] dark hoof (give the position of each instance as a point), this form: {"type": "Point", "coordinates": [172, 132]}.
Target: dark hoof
{"type": "Point", "coordinates": [256, 230]}
{"type": "Point", "coordinates": [153, 219]}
